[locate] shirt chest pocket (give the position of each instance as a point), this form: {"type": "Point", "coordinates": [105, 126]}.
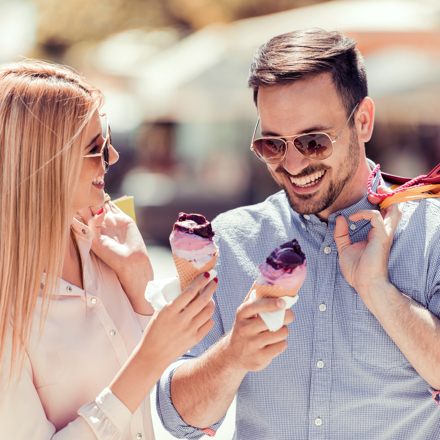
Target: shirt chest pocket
{"type": "Point", "coordinates": [371, 343]}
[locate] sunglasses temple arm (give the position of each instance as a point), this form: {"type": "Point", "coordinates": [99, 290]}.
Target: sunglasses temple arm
{"type": "Point", "coordinates": [253, 136]}
{"type": "Point", "coordinates": [348, 120]}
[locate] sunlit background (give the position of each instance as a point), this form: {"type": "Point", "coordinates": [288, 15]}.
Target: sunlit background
{"type": "Point", "coordinates": [174, 73]}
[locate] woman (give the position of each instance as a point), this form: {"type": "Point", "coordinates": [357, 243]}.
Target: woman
{"type": "Point", "coordinates": [75, 363]}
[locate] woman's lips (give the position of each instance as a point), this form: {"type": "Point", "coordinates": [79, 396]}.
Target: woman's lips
{"type": "Point", "coordinates": [98, 182]}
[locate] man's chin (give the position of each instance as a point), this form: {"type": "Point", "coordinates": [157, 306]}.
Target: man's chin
{"type": "Point", "coordinates": [306, 203]}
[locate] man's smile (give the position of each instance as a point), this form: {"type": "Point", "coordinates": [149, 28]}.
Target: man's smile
{"type": "Point", "coordinates": [307, 181]}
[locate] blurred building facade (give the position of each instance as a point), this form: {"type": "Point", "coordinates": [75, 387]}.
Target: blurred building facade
{"type": "Point", "coordinates": [182, 115]}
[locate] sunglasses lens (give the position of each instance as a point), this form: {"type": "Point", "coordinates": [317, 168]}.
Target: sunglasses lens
{"type": "Point", "coordinates": [316, 146]}
{"type": "Point", "coordinates": [270, 150]}
{"type": "Point", "coordinates": [105, 156]}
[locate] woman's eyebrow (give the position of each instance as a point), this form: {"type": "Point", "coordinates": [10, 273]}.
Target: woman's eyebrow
{"type": "Point", "coordinates": [93, 141]}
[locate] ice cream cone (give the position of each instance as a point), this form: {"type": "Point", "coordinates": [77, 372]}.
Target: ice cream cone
{"type": "Point", "coordinates": [263, 291]}
{"type": "Point", "coordinates": [188, 272]}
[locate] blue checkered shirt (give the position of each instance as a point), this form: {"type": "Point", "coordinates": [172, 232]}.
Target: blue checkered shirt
{"type": "Point", "coordinates": [341, 377]}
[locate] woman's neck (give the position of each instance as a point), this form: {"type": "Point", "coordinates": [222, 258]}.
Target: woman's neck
{"type": "Point", "coordinates": [72, 270]}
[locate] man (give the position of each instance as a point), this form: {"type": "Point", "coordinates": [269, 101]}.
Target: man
{"type": "Point", "coordinates": [362, 358]}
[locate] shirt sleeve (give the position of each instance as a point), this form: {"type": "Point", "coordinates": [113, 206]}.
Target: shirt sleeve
{"type": "Point", "coordinates": [168, 415]}
{"type": "Point", "coordinates": [22, 415]}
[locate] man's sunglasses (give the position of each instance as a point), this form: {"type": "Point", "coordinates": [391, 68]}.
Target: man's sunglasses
{"type": "Point", "coordinates": [316, 146]}
{"type": "Point", "coordinates": [104, 150]}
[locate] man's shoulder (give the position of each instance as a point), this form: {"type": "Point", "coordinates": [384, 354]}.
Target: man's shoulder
{"type": "Point", "coordinates": [274, 209]}
{"type": "Point", "coordinates": [420, 217]}
{"type": "Point", "coordinates": [422, 208]}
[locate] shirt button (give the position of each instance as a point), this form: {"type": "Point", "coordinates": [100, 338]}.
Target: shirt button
{"type": "Point", "coordinates": [112, 332]}
{"type": "Point", "coordinates": [352, 226]}
{"type": "Point", "coordinates": [327, 250]}
{"type": "Point", "coordinates": [322, 307]}
{"type": "Point", "coordinates": [303, 225]}
{"type": "Point", "coordinates": [139, 436]}
{"type": "Point", "coordinates": [69, 289]}
{"type": "Point", "coordinates": [83, 231]}
{"type": "Point", "coordinates": [318, 421]}
{"type": "Point", "coordinates": [307, 217]}
{"type": "Point", "coordinates": [320, 364]}
{"type": "Point", "coordinates": [93, 300]}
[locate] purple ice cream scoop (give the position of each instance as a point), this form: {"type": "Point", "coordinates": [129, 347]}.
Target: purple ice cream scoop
{"type": "Point", "coordinates": [284, 267]}
{"type": "Point", "coordinates": [194, 224]}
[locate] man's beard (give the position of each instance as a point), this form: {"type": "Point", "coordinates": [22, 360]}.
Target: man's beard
{"type": "Point", "coordinates": [305, 203]}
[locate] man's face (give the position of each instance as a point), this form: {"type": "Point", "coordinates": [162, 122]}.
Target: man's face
{"type": "Point", "coordinates": [313, 186]}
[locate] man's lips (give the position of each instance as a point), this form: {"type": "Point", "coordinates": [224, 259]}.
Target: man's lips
{"type": "Point", "coordinates": [308, 183]}
{"type": "Point", "coordinates": [309, 180]}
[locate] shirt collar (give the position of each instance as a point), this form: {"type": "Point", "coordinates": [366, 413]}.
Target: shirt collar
{"type": "Point", "coordinates": [84, 239]}
{"type": "Point", "coordinates": [363, 204]}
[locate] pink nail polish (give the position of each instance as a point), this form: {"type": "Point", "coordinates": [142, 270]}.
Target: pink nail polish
{"type": "Point", "coordinates": [206, 275]}
{"type": "Point", "coordinates": [100, 211]}
{"type": "Point", "coordinates": [216, 279]}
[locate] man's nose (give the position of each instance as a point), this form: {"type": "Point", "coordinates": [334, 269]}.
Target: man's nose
{"type": "Point", "coordinates": [294, 162]}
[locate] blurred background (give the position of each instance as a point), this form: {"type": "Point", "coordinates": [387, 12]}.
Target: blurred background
{"type": "Point", "coordinates": [175, 71]}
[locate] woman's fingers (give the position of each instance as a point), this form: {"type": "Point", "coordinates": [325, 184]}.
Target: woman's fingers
{"type": "Point", "coordinates": [113, 207]}
{"type": "Point", "coordinates": [191, 291]}
{"type": "Point", "coordinates": [204, 315]}
{"type": "Point", "coordinates": [95, 224]}
{"type": "Point", "coordinates": [201, 301]}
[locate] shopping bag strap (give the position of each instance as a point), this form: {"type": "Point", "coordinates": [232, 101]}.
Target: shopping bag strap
{"type": "Point", "coordinates": [405, 189]}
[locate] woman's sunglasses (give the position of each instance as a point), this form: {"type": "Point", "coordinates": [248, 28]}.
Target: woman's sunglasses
{"type": "Point", "coordinates": [104, 150]}
{"type": "Point", "coordinates": [316, 146]}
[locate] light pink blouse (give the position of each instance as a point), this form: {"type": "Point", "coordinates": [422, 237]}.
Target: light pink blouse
{"type": "Point", "coordinates": [87, 337]}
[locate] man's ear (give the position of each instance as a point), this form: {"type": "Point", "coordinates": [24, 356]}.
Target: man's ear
{"type": "Point", "coordinates": [364, 119]}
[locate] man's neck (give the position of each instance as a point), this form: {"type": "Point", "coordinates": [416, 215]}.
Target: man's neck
{"type": "Point", "coordinates": [352, 193]}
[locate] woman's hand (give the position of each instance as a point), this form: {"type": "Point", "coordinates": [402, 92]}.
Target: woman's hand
{"type": "Point", "coordinates": [172, 331]}
{"type": "Point", "coordinates": [182, 323]}
{"type": "Point", "coordinates": [118, 242]}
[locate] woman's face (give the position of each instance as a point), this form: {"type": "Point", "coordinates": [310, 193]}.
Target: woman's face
{"type": "Point", "coordinates": [90, 188]}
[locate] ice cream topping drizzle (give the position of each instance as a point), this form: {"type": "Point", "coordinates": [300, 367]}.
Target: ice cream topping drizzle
{"type": "Point", "coordinates": [194, 224]}
{"type": "Point", "coordinates": [288, 256]}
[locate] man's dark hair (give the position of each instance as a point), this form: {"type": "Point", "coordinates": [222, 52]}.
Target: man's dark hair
{"type": "Point", "coordinates": [303, 54]}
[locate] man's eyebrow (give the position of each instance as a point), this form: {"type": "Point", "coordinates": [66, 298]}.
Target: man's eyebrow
{"type": "Point", "coordinates": [93, 141]}
{"type": "Point", "coordinates": [317, 128]}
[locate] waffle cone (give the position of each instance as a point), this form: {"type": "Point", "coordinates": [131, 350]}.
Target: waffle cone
{"type": "Point", "coordinates": [188, 272]}
{"type": "Point", "coordinates": [263, 291]}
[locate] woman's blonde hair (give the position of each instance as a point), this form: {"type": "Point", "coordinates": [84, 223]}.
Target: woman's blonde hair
{"type": "Point", "coordinates": [44, 109]}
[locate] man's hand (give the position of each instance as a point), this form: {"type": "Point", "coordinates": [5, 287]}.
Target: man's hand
{"type": "Point", "coordinates": [365, 264]}
{"type": "Point", "coordinates": [251, 345]}
{"type": "Point", "coordinates": [202, 389]}
{"type": "Point", "coordinates": [118, 242]}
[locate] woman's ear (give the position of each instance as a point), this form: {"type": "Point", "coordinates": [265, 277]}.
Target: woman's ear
{"type": "Point", "coordinates": [364, 118]}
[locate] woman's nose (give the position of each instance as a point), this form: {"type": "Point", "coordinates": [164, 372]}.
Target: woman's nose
{"type": "Point", "coordinates": [113, 155]}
